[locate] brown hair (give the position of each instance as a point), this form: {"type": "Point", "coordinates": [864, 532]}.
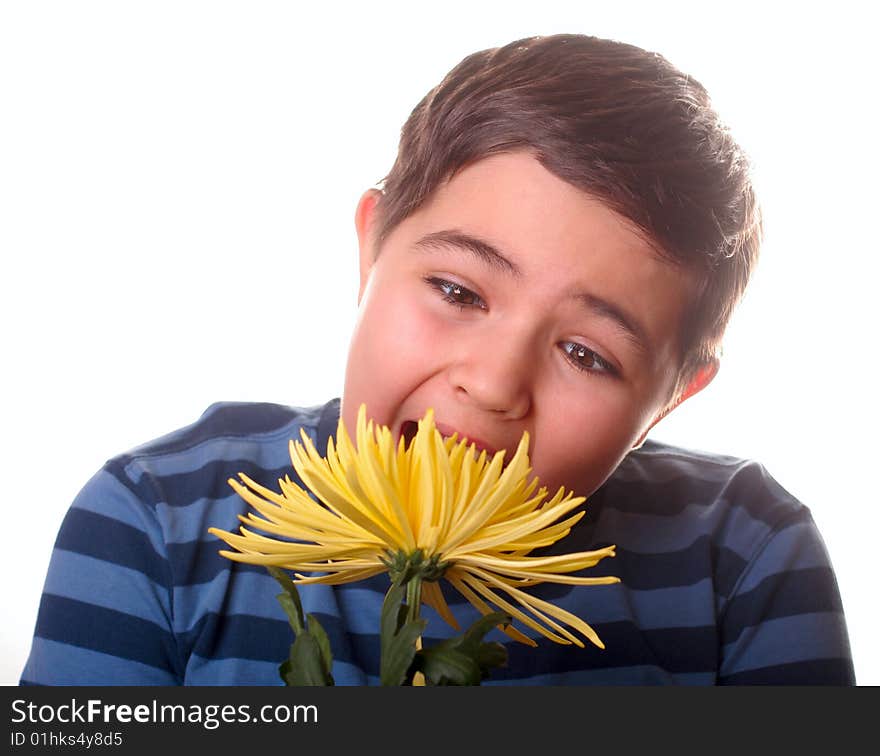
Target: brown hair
{"type": "Point", "coordinates": [617, 121]}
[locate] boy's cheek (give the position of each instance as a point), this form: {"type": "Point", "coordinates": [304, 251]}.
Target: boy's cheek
{"type": "Point", "coordinates": [393, 338]}
{"type": "Point", "coordinates": [579, 441]}
{"type": "Point", "coordinates": [394, 349]}
{"type": "Point", "coordinates": [581, 470]}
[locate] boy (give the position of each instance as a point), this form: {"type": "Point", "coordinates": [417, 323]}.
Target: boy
{"type": "Point", "coordinates": [557, 249]}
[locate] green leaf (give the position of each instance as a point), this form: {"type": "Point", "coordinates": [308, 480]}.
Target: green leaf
{"type": "Point", "coordinates": [398, 638]}
{"type": "Point", "coordinates": [291, 609]}
{"type": "Point", "coordinates": [464, 659]}
{"type": "Point", "coordinates": [475, 633]}
{"type": "Point", "coordinates": [284, 670]}
{"type": "Point", "coordinates": [289, 600]}
{"type": "Point", "coordinates": [392, 617]}
{"type": "Point", "coordinates": [306, 664]}
{"type": "Point", "coordinates": [310, 659]}
{"type": "Point", "coordinates": [446, 665]}
{"type": "Point", "coordinates": [323, 641]}
{"type": "Point", "coordinates": [491, 655]}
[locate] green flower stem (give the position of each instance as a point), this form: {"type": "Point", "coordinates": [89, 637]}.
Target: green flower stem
{"type": "Point", "coordinates": [413, 597]}
{"type": "Point", "coordinates": [413, 604]}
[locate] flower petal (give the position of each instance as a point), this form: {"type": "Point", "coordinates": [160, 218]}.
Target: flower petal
{"type": "Point", "coordinates": [433, 597]}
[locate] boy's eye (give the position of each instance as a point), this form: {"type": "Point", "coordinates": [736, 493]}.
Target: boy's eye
{"type": "Point", "coordinates": [456, 293]}
{"type": "Point", "coordinates": [584, 358]}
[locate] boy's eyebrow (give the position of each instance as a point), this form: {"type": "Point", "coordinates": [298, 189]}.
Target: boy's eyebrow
{"type": "Point", "coordinates": [631, 327]}
{"type": "Point", "coordinates": [490, 255]}
{"type": "Point", "coordinates": [482, 249]}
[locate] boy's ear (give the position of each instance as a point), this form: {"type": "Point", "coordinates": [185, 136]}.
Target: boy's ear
{"type": "Point", "coordinates": [365, 224]}
{"type": "Point", "coordinates": [701, 378]}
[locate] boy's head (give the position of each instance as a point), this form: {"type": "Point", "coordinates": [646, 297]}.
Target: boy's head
{"type": "Point", "coordinates": [557, 248]}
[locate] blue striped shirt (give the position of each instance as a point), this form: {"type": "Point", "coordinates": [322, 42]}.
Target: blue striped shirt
{"type": "Point", "coordinates": [724, 576]}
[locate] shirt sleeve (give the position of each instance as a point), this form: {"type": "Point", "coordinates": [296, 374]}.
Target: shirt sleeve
{"type": "Point", "coordinates": [105, 615]}
{"type": "Point", "coordinates": [784, 623]}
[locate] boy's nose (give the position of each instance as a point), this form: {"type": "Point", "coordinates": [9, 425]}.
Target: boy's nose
{"type": "Point", "coordinates": [494, 379]}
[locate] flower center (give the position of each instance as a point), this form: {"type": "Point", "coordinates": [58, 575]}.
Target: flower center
{"type": "Point", "coordinates": [404, 567]}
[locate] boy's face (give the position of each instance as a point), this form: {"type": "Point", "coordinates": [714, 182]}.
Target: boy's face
{"type": "Point", "coordinates": [515, 302]}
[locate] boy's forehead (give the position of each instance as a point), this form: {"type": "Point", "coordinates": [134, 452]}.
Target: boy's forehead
{"type": "Point", "coordinates": [512, 196]}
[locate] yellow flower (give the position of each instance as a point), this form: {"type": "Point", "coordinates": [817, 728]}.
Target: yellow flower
{"type": "Point", "coordinates": [433, 503]}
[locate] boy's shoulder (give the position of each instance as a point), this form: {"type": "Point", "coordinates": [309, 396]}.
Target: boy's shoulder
{"type": "Point", "coordinates": [667, 480]}
{"type": "Point", "coordinates": [660, 461]}
{"type": "Point", "coordinates": [235, 423]}
{"type": "Point", "coordinates": [193, 463]}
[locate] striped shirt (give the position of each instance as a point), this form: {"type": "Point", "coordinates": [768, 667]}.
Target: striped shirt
{"type": "Point", "coordinates": [724, 576]}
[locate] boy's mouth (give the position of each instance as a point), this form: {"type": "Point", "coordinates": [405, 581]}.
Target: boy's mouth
{"type": "Point", "coordinates": [408, 431]}
{"type": "Point", "coordinates": [409, 428]}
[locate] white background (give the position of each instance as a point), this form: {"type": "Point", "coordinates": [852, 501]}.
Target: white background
{"type": "Point", "coordinates": [177, 187]}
